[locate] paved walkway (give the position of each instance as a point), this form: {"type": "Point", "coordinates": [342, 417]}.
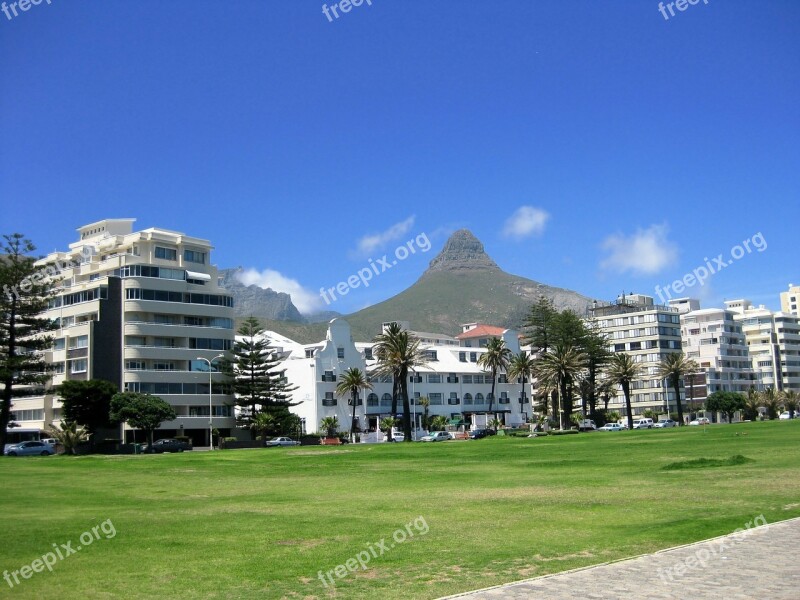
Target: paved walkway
{"type": "Point", "coordinates": [761, 563]}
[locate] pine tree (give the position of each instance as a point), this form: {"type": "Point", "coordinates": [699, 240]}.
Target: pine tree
{"type": "Point", "coordinates": [25, 294]}
{"type": "Point", "coordinates": [260, 386]}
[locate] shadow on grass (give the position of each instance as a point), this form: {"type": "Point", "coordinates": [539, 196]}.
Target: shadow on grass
{"type": "Point", "coordinates": [702, 463]}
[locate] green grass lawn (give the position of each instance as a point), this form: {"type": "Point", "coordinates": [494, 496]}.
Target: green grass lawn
{"type": "Point", "coordinates": [262, 523]}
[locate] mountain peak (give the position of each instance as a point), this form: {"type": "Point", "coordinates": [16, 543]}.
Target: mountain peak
{"type": "Point", "coordinates": [462, 251]}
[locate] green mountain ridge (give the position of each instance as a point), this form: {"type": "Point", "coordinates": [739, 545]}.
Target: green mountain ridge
{"type": "Point", "coordinates": [462, 285]}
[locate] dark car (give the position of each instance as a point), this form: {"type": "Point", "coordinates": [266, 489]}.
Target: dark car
{"type": "Point", "coordinates": [477, 434]}
{"type": "Point", "coordinates": [168, 445]}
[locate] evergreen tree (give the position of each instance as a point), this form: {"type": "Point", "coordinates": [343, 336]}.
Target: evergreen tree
{"type": "Point", "coordinates": [26, 292]}
{"type": "Point", "coordinates": [260, 386]}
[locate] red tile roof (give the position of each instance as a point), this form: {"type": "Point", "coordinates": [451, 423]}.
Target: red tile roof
{"type": "Point", "coordinates": [481, 331]}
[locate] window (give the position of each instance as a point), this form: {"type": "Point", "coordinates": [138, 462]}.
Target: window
{"type": "Point", "coordinates": [134, 365]}
{"type": "Point", "coordinates": [367, 353]}
{"type": "Point", "coordinates": [328, 376]}
{"type": "Point", "coordinates": [435, 398]}
{"type": "Point", "coordinates": [434, 378]}
{"type": "Point", "coordinates": [453, 398]}
{"type": "Point", "coordinates": [194, 256]}
{"type": "Point", "coordinates": [329, 400]}
{"type": "Point", "coordinates": [473, 357]}
{"type": "Point", "coordinates": [166, 253]}
{"type": "Point", "coordinates": [339, 352]}
{"type": "Point", "coordinates": [462, 357]}
{"type": "Point", "coordinates": [309, 352]}
{"type": "Point", "coordinates": [58, 344]}
{"type": "Point", "coordinates": [502, 378]}
{"type": "Point", "coordinates": [478, 398]}
{"type": "Point", "coordinates": [467, 378]}
{"type": "Point", "coordinates": [372, 400]}
{"type": "Point", "coordinates": [430, 355]}
{"type": "Point", "coordinates": [163, 366]}
{"type": "Point", "coordinates": [452, 378]}
{"type": "Point", "coordinates": [33, 414]}
{"type": "Point", "coordinates": [386, 400]}
{"type": "Point", "coordinates": [467, 398]}
{"type": "Point", "coordinates": [78, 366]}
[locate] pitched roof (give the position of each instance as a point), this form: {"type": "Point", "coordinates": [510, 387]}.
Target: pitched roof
{"type": "Point", "coordinates": [481, 331]}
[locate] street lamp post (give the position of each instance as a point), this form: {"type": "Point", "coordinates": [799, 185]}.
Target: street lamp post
{"type": "Point", "coordinates": [210, 411]}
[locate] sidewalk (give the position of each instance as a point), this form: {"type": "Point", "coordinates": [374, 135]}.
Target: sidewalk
{"type": "Point", "coordinates": [764, 563]}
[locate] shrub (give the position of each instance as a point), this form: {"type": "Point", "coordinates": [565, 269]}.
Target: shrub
{"type": "Point", "coordinates": [562, 431]}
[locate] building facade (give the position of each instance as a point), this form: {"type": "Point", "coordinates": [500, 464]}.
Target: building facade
{"type": "Point", "coordinates": [450, 378]}
{"type": "Point", "coordinates": [715, 340]}
{"type": "Point", "coordinates": [648, 332]}
{"type": "Point", "coordinates": [141, 310]}
{"type": "Point", "coordinates": [773, 341]}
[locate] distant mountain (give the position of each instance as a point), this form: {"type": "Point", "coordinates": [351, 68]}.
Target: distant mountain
{"type": "Point", "coordinates": [251, 300]}
{"type": "Point", "coordinates": [461, 285]}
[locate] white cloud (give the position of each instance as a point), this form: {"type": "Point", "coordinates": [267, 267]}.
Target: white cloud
{"type": "Point", "coordinates": [376, 241]}
{"type": "Point", "coordinates": [307, 302]}
{"type": "Point", "coordinates": [525, 221]}
{"type": "Point", "coordinates": [646, 252]}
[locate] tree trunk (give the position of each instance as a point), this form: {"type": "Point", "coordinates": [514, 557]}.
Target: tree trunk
{"type": "Point", "coordinates": [626, 390]}
{"type": "Point", "coordinates": [491, 399]}
{"type": "Point", "coordinates": [354, 395]}
{"type": "Point", "coordinates": [676, 384]}
{"type": "Point", "coordinates": [394, 404]}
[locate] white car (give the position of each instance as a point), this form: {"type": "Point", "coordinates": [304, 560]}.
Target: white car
{"type": "Point", "coordinates": [643, 424]}
{"type": "Point", "coordinates": [700, 421]}
{"type": "Point", "coordinates": [611, 427]}
{"type": "Point", "coordinates": [586, 425]}
{"type": "Point", "coordinates": [666, 423]}
{"type": "Point", "coordinates": [282, 441]}
{"type": "Point", "coordinates": [785, 416]}
{"type": "Point", "coordinates": [436, 436]}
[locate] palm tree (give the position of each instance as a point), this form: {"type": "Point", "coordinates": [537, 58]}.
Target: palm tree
{"type": "Point", "coordinates": [770, 401]}
{"type": "Point", "coordinates": [675, 366]}
{"type": "Point", "coordinates": [496, 358]}
{"type": "Point", "coordinates": [353, 380]}
{"type": "Point", "coordinates": [330, 425]}
{"type": "Point", "coordinates": [521, 366]}
{"type": "Point", "coordinates": [752, 404]}
{"type": "Point", "coordinates": [606, 390]}
{"type": "Point", "coordinates": [386, 424]}
{"type": "Point", "coordinates": [438, 423]}
{"type": "Point", "coordinates": [623, 370]}
{"type": "Point", "coordinates": [69, 435]}
{"type": "Point", "coordinates": [790, 399]}
{"type": "Point", "coordinates": [398, 352]}
{"type": "Point", "coordinates": [263, 423]}
{"type": "Point", "coordinates": [425, 403]}
{"type": "Point", "coordinates": [560, 367]}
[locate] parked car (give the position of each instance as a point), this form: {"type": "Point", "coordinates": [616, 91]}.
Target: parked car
{"type": "Point", "coordinates": [785, 416]}
{"type": "Point", "coordinates": [477, 434]}
{"type": "Point", "coordinates": [700, 421]}
{"type": "Point", "coordinates": [281, 441]}
{"type": "Point", "coordinates": [436, 436]}
{"type": "Point", "coordinates": [168, 445]}
{"type": "Point", "coordinates": [666, 423]}
{"type": "Point", "coordinates": [611, 427]}
{"type": "Point", "coordinates": [587, 425]}
{"type": "Point", "coordinates": [643, 424]}
{"type": "Point", "coordinates": [50, 441]}
{"type": "Point", "coordinates": [29, 449]}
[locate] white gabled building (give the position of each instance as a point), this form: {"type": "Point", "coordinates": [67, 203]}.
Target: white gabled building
{"type": "Point", "coordinates": [450, 378]}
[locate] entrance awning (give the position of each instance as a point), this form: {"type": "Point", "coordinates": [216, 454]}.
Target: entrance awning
{"type": "Point", "coordinates": [456, 422]}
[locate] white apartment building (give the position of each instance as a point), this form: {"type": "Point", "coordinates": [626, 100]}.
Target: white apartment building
{"type": "Point", "coordinates": [790, 300]}
{"type": "Point", "coordinates": [773, 341]}
{"type": "Point", "coordinates": [139, 309]}
{"type": "Point", "coordinates": [648, 332]}
{"type": "Point", "coordinates": [450, 378]}
{"type": "Point", "coordinates": [715, 340]}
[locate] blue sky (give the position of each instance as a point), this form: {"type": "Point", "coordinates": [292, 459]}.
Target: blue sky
{"type": "Point", "coordinates": [591, 145]}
